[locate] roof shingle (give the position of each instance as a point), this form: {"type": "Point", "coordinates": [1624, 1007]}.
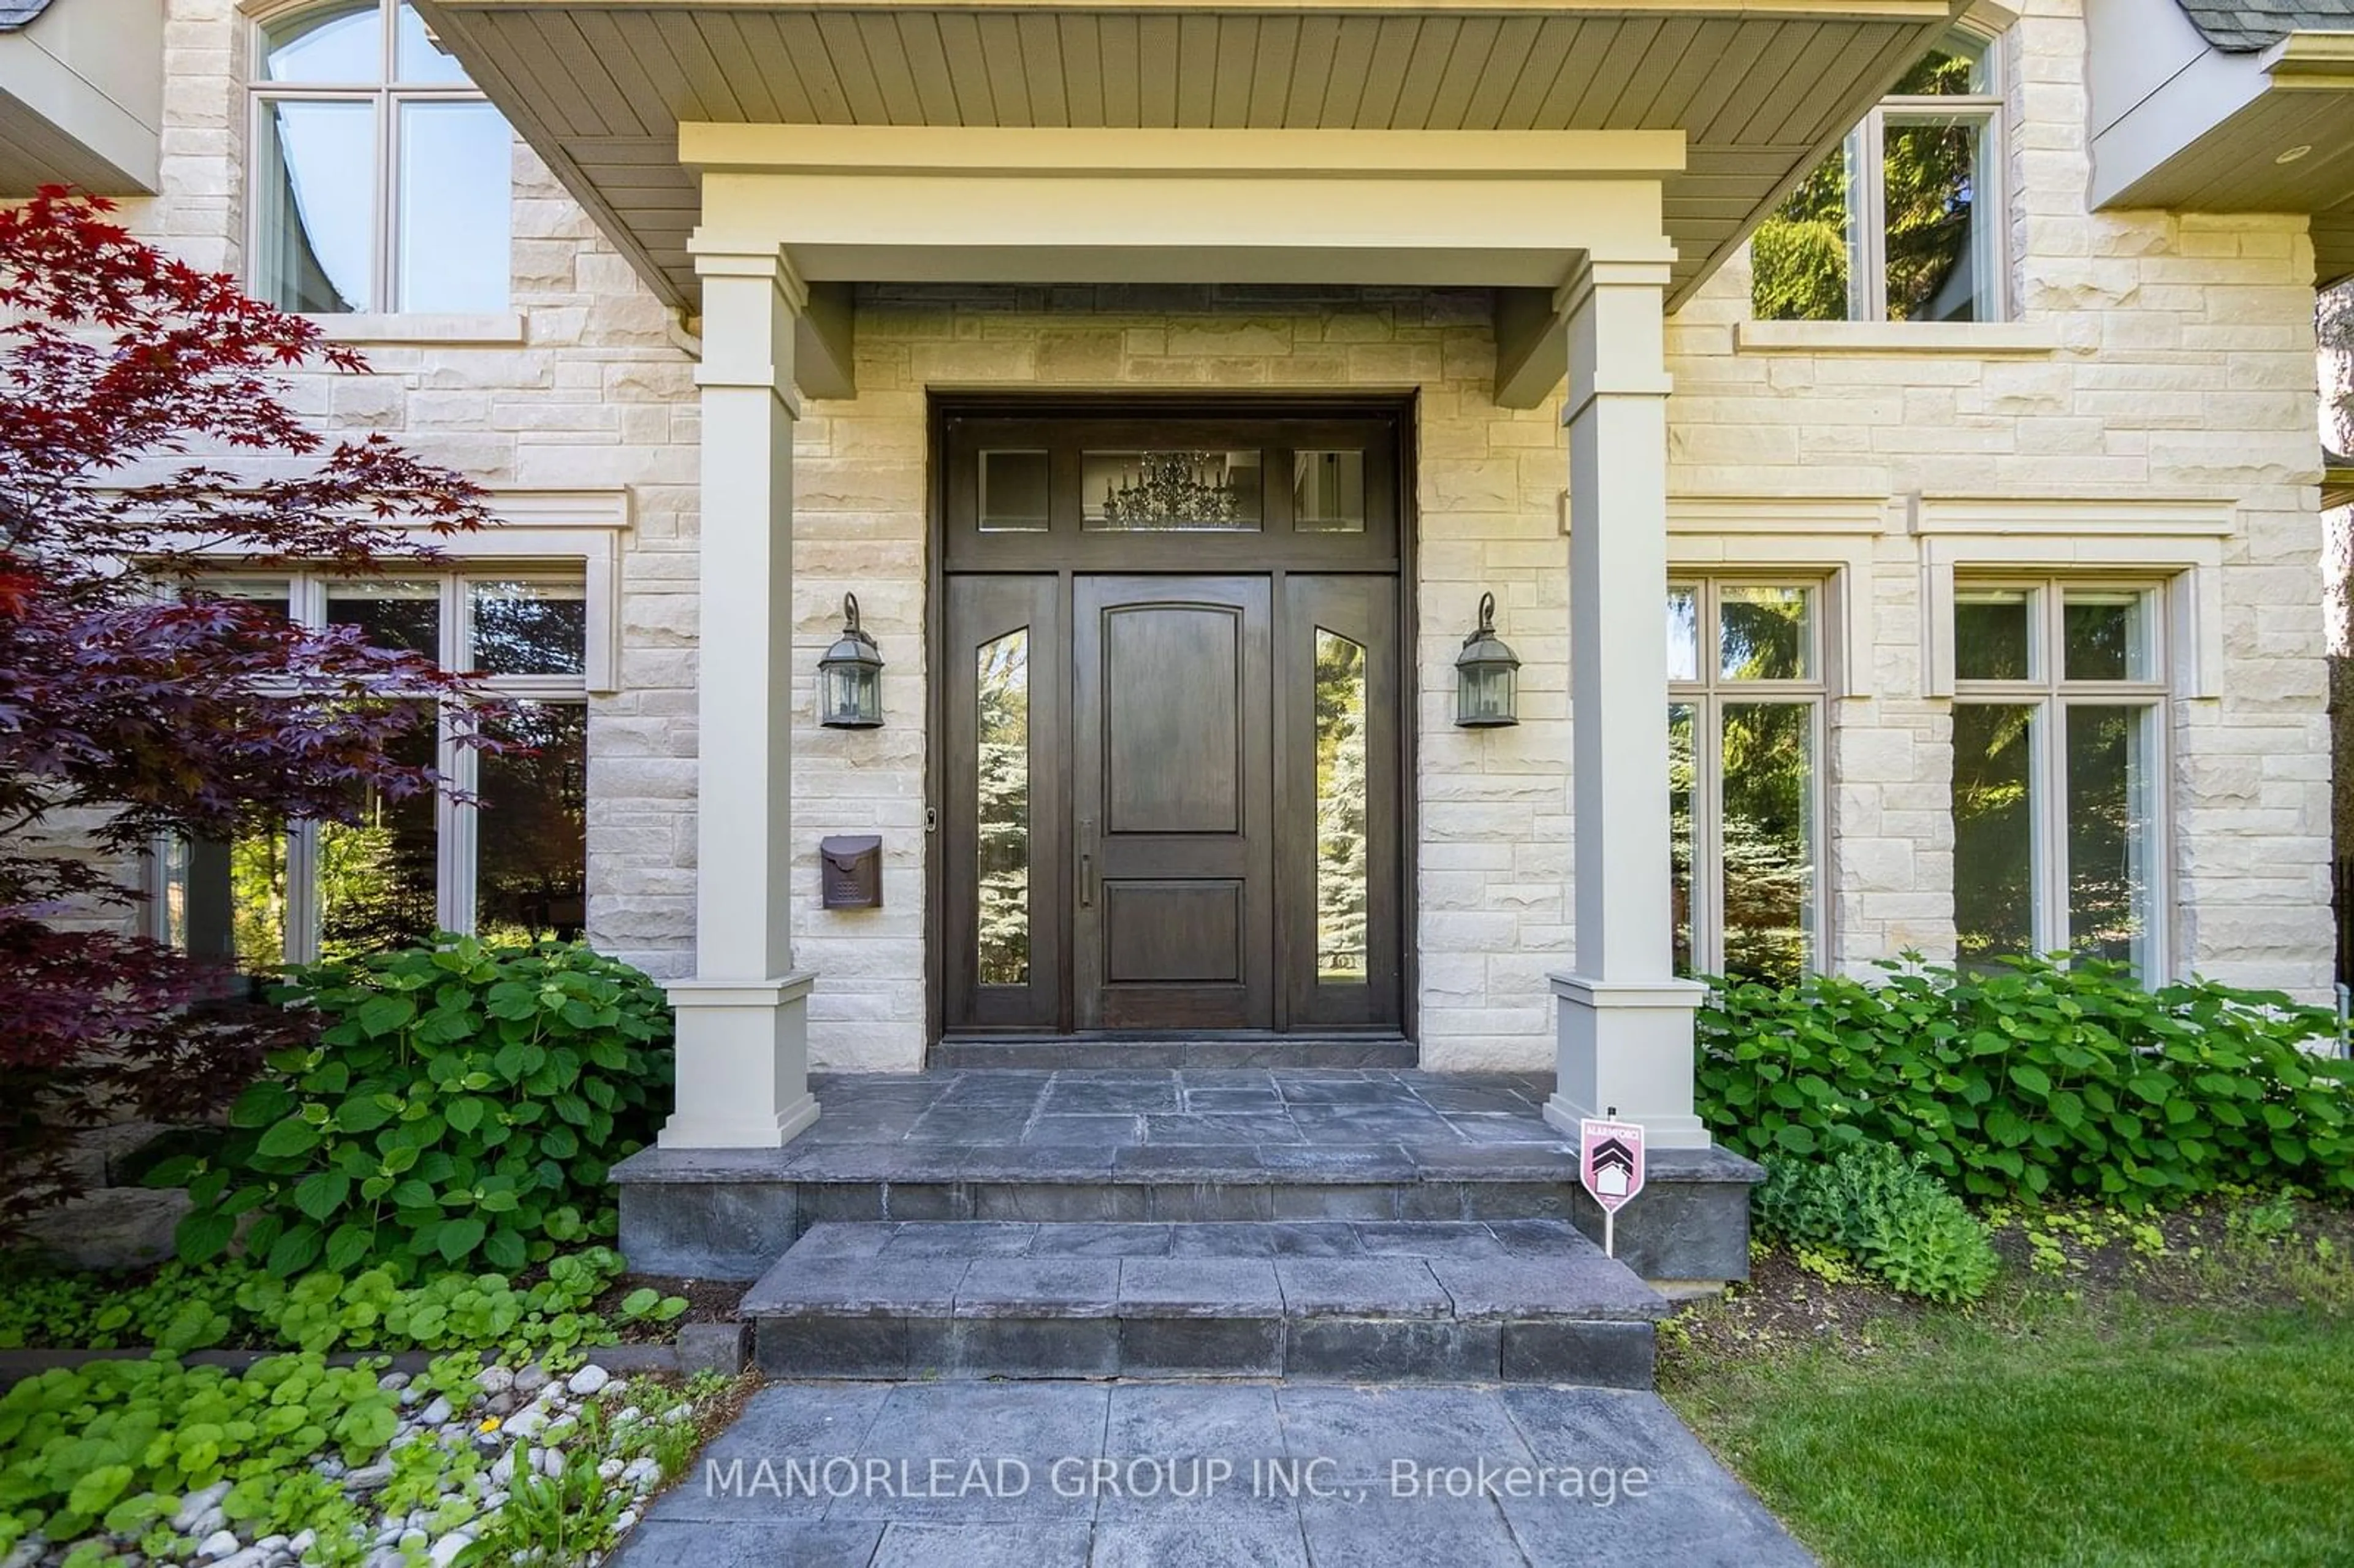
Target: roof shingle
{"type": "Point", "coordinates": [2242, 27]}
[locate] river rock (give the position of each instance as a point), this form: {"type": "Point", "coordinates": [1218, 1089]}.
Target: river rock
{"type": "Point", "coordinates": [194, 1507]}
{"type": "Point", "coordinates": [369, 1477]}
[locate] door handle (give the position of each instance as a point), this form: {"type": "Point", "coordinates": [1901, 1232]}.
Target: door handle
{"type": "Point", "coordinates": [1087, 863]}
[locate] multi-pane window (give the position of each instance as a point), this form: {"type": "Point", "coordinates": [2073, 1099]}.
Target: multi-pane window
{"type": "Point", "coordinates": [2057, 723]}
{"type": "Point", "coordinates": [1746, 715]}
{"type": "Point", "coordinates": [382, 180]}
{"type": "Point", "coordinates": [1904, 223]}
{"type": "Point", "coordinates": [511, 867]}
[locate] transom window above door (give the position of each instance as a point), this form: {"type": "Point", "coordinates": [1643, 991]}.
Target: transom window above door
{"type": "Point", "coordinates": [1038, 489]}
{"type": "Point", "coordinates": [381, 179]}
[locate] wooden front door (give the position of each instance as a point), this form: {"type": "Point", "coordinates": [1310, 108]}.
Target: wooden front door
{"type": "Point", "coordinates": [1171, 725]}
{"type": "Point", "coordinates": [1172, 770]}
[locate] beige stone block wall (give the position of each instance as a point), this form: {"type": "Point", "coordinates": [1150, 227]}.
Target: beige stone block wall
{"type": "Point", "coordinates": [2184, 368]}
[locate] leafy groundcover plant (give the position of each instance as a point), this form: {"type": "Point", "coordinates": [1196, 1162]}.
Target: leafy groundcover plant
{"type": "Point", "coordinates": [298, 1462]}
{"type": "Point", "coordinates": [2035, 1081]}
{"type": "Point", "coordinates": [462, 1105]}
{"type": "Point", "coordinates": [237, 1302]}
{"type": "Point", "coordinates": [1871, 1207]}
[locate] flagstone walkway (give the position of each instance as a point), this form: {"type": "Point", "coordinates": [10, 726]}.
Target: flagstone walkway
{"type": "Point", "coordinates": [1157, 1474]}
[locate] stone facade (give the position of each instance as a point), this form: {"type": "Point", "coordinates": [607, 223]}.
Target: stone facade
{"type": "Point", "coordinates": [2182, 365]}
{"type": "Point", "coordinates": [2176, 361]}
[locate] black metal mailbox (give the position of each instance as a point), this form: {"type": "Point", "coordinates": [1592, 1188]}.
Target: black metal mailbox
{"type": "Point", "coordinates": [850, 872]}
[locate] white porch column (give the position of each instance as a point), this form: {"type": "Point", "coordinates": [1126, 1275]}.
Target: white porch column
{"type": "Point", "coordinates": [1625, 1020]}
{"type": "Point", "coordinates": [743, 1036]}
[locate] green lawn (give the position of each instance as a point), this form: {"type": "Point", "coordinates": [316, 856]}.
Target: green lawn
{"type": "Point", "coordinates": [2047, 1433]}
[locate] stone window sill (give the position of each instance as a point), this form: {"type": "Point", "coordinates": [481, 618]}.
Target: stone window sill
{"type": "Point", "coordinates": [494, 326]}
{"type": "Point", "coordinates": [1897, 337]}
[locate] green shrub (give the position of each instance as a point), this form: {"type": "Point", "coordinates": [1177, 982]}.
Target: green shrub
{"type": "Point", "coordinates": [2035, 1080]}
{"type": "Point", "coordinates": [462, 1102]}
{"type": "Point", "coordinates": [1872, 1206]}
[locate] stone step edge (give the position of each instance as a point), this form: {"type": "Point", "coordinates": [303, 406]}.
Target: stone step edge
{"type": "Point", "coordinates": [818, 1276]}
{"type": "Point", "coordinates": [1606, 1354]}
{"type": "Point", "coordinates": [1159, 1311]}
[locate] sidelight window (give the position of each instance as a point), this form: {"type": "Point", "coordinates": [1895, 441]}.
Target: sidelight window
{"type": "Point", "coordinates": [1003, 681]}
{"type": "Point", "coordinates": [2058, 703]}
{"type": "Point", "coordinates": [1343, 761]}
{"type": "Point", "coordinates": [1745, 716]}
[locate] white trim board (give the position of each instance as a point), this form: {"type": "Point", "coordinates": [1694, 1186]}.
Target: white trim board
{"type": "Point", "coordinates": [2132, 516]}
{"type": "Point", "coordinates": [2191, 567]}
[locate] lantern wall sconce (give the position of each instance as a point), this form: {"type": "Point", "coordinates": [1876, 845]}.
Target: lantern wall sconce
{"type": "Point", "coordinates": [1486, 676]}
{"type": "Point", "coordinates": [849, 676]}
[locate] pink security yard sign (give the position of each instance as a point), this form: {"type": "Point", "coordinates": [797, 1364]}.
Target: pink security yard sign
{"type": "Point", "coordinates": [1610, 1165]}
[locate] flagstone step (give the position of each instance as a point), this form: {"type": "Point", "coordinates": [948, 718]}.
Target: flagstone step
{"type": "Point", "coordinates": [1510, 1300]}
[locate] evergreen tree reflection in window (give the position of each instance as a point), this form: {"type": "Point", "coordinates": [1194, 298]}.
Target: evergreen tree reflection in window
{"type": "Point", "coordinates": [378, 875]}
{"type": "Point", "coordinates": [1896, 224]}
{"type": "Point", "coordinates": [1341, 841]}
{"type": "Point", "coordinates": [532, 848]}
{"type": "Point", "coordinates": [1002, 682]}
{"type": "Point", "coordinates": [1745, 712]}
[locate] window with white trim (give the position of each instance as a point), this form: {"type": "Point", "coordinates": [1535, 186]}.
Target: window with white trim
{"type": "Point", "coordinates": [1745, 717]}
{"type": "Point", "coordinates": [382, 180]}
{"type": "Point", "coordinates": [511, 866]}
{"type": "Point", "coordinates": [2059, 706]}
{"type": "Point", "coordinates": [1904, 222]}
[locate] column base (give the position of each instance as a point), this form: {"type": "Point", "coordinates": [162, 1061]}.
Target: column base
{"type": "Point", "coordinates": [1625, 1050]}
{"type": "Point", "coordinates": [743, 1062]}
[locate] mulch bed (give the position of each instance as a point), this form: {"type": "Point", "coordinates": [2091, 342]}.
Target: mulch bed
{"type": "Point", "coordinates": [2204, 1263]}
{"type": "Point", "coordinates": [707, 1301]}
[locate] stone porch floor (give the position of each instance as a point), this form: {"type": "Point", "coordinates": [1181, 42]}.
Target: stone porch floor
{"type": "Point", "coordinates": [1193, 1144]}
{"type": "Point", "coordinates": [1332, 1124]}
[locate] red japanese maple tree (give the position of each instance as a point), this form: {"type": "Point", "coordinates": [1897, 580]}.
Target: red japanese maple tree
{"type": "Point", "coordinates": [144, 438]}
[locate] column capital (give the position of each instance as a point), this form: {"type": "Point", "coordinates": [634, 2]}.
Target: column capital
{"type": "Point", "coordinates": [1615, 312]}
{"type": "Point", "coordinates": [1590, 272]}
{"type": "Point", "coordinates": [753, 302]}
{"type": "Point", "coordinates": [718, 255]}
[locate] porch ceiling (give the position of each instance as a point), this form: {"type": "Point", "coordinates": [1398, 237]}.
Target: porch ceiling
{"type": "Point", "coordinates": [1760, 87]}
